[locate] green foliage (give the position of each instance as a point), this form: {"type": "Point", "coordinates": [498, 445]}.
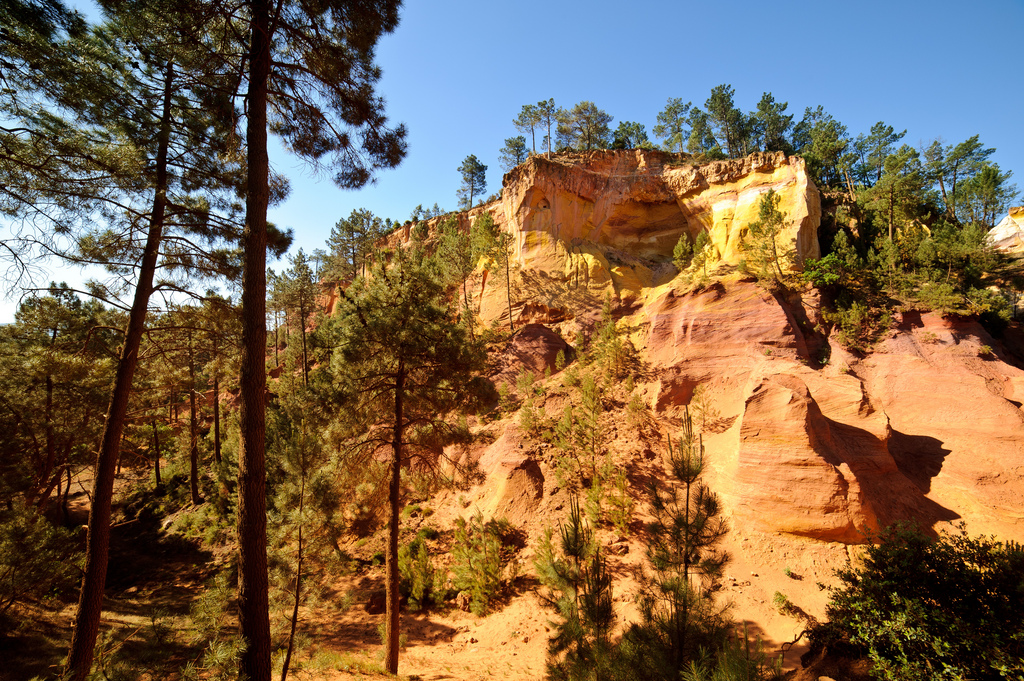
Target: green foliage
{"type": "Point", "coordinates": [682, 253]}
{"type": "Point", "coordinates": [351, 244]}
{"type": "Point", "coordinates": [477, 560]}
{"type": "Point", "coordinates": [214, 632]}
{"type": "Point", "coordinates": [531, 419]}
{"type": "Point", "coordinates": [579, 436]}
{"type": "Point", "coordinates": [527, 121]}
{"type": "Point", "coordinates": [636, 410]}
{"type": "Point", "coordinates": [738, 660]}
{"type": "Point", "coordinates": [728, 122]}
{"type": "Point", "coordinates": [673, 124]}
{"type": "Point", "coordinates": [762, 243]}
{"type": "Point", "coordinates": [630, 135]}
{"type": "Point", "coordinates": [514, 152]}
{"type": "Point", "coordinates": [417, 572]}
{"type": "Point", "coordinates": [611, 352]}
{"type": "Point", "coordinates": [581, 594]}
{"type": "Point", "coordinates": [770, 125]}
{"type": "Point", "coordinates": [54, 389]}
{"type": "Point", "coordinates": [36, 558]}
{"type": "Point", "coordinates": [824, 271]}
{"type": "Point", "coordinates": [678, 616]}
{"type": "Point", "coordinates": [620, 501]}
{"type": "Point", "coordinates": [701, 252]}
{"type": "Point", "coordinates": [858, 326]}
{"type": "Point", "coordinates": [474, 181]}
{"type": "Point", "coordinates": [823, 142]}
{"type": "Point", "coordinates": [583, 127]}
{"type": "Point", "coordinates": [397, 340]}
{"type": "Point", "coordinates": [782, 603]}
{"type": "Point", "coordinates": [420, 231]}
{"type": "Point", "coordinates": [703, 407]}
{"type": "Point", "coordinates": [494, 245]}
{"type": "Point", "coordinates": [946, 608]}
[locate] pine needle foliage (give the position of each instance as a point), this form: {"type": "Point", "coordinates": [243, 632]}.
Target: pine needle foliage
{"type": "Point", "coordinates": [477, 561]}
{"type": "Point", "coordinates": [679, 617]}
{"type": "Point", "coordinates": [581, 593]}
{"type": "Point", "coordinates": [404, 369]}
{"type": "Point", "coordinates": [763, 235]}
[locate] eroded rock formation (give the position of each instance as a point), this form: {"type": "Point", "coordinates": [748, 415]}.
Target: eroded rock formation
{"type": "Point", "coordinates": [808, 440]}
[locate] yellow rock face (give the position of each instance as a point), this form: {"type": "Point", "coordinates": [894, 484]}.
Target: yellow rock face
{"type": "Point", "coordinates": [606, 222]}
{"type": "Point", "coordinates": [640, 202]}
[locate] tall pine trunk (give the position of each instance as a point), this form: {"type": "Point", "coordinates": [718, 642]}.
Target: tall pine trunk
{"type": "Point", "coordinates": [253, 607]}
{"type": "Point", "coordinates": [156, 456]}
{"type": "Point", "coordinates": [90, 603]}
{"type": "Point", "coordinates": [392, 575]}
{"type": "Point", "coordinates": [193, 428]}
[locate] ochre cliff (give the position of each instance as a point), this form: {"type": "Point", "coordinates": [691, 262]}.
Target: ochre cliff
{"type": "Point", "coordinates": [809, 446]}
{"type": "Point", "coordinates": [811, 441]}
{"type": "Point", "coordinates": [606, 222]}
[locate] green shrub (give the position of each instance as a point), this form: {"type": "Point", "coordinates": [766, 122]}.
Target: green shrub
{"type": "Point", "coordinates": [530, 418]}
{"type": "Point", "coordinates": [477, 560]}
{"type": "Point", "coordinates": [858, 325]}
{"type": "Point", "coordinates": [782, 603]}
{"type": "Point", "coordinates": [620, 502]}
{"type": "Point", "coordinates": [36, 558]}
{"type": "Point", "coordinates": [580, 591]}
{"type": "Point", "coordinates": [417, 574]}
{"type": "Point", "coordinates": [824, 272]}
{"type": "Point", "coordinates": [932, 609]}
{"type": "Point", "coordinates": [214, 633]}
{"type": "Point", "coordinates": [636, 410]}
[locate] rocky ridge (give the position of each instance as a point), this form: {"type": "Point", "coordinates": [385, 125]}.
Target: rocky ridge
{"type": "Point", "coordinates": [811, 447]}
{"type": "Point", "coordinates": [815, 441]}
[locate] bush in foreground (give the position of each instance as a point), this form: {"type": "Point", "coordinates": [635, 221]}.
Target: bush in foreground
{"type": "Point", "coordinates": [923, 608]}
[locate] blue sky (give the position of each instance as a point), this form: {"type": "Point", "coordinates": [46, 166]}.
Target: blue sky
{"type": "Point", "coordinates": [457, 73]}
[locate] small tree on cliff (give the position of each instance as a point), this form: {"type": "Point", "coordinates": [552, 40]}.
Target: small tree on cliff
{"type": "Point", "coordinates": [474, 180]}
{"type": "Point", "coordinates": [402, 364]}
{"type": "Point", "coordinates": [513, 153]}
{"type": "Point", "coordinates": [490, 242]}
{"type": "Point", "coordinates": [763, 236]}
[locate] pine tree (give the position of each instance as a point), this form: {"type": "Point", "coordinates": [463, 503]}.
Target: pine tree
{"type": "Point", "coordinates": [474, 180]}
{"type": "Point", "coordinates": [311, 69]}
{"type": "Point", "coordinates": [161, 113]}
{"type": "Point", "coordinates": [527, 121]}
{"type": "Point", "coordinates": [673, 123]}
{"type": "Point", "coordinates": [581, 594]}
{"type": "Point", "coordinates": [455, 257]}
{"type": "Point", "coordinates": [402, 364]}
{"type": "Point", "coordinates": [494, 244]}
{"type": "Point", "coordinates": [547, 115]}
{"type": "Point", "coordinates": [770, 124]}
{"type": "Point", "coordinates": [730, 123]}
{"type": "Point", "coordinates": [296, 290]}
{"type": "Point", "coordinates": [352, 243]}
{"type": "Point", "coordinates": [763, 238]}
{"type": "Point", "coordinates": [584, 127]}
{"type": "Point", "coordinates": [679, 618]}
{"type": "Point", "coordinates": [513, 153]}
